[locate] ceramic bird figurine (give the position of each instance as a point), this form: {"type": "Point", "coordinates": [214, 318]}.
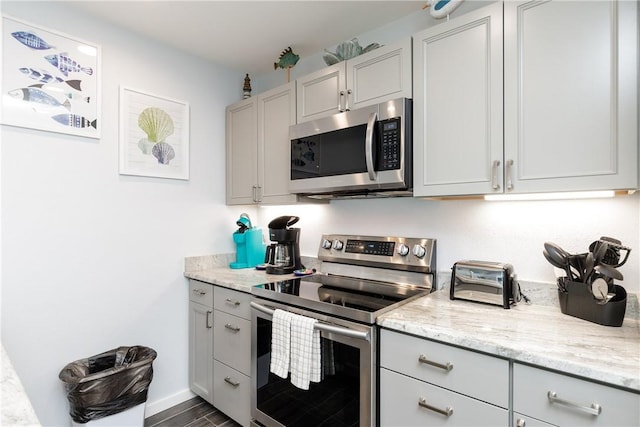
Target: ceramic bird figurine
{"type": "Point", "coordinates": [287, 61]}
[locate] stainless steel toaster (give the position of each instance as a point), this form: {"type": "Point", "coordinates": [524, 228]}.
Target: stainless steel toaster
{"type": "Point", "coordinates": [485, 282]}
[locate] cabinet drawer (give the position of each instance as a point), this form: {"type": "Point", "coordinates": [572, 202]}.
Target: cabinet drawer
{"type": "Point", "coordinates": [232, 341]}
{"type": "Point", "coordinates": [531, 388]}
{"type": "Point", "coordinates": [470, 373]}
{"type": "Point", "coordinates": [399, 405]}
{"type": "Point", "coordinates": [231, 393]}
{"type": "Point", "coordinates": [201, 292]}
{"type": "Point", "coordinates": [520, 420]}
{"type": "Point", "coordinates": [232, 302]}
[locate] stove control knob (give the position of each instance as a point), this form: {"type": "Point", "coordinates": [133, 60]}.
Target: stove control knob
{"type": "Point", "coordinates": [419, 251]}
{"type": "Point", "coordinates": [338, 245]}
{"type": "Point", "coordinates": [403, 250]}
{"type": "Point", "coordinates": [326, 244]}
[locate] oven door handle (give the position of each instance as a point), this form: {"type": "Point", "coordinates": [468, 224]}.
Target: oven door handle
{"type": "Point", "coordinates": [324, 327]}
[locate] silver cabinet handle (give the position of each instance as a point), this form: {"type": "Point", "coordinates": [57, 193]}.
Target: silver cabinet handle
{"type": "Point", "coordinates": [209, 313]}
{"type": "Point", "coordinates": [448, 411]}
{"type": "Point", "coordinates": [232, 302]}
{"type": "Point", "coordinates": [259, 192]}
{"type": "Point", "coordinates": [593, 409]}
{"type": "Point", "coordinates": [199, 292]}
{"type": "Point", "coordinates": [494, 175]}
{"type": "Point", "coordinates": [340, 101]}
{"type": "Point", "coordinates": [346, 102]}
{"type": "Point", "coordinates": [447, 366]}
{"type": "Point", "coordinates": [254, 195]}
{"type": "Point", "coordinates": [509, 167]}
{"type": "Point", "coordinates": [231, 327]}
{"type": "Point", "coordinates": [368, 146]}
{"type": "Point", "coordinates": [520, 422]}
{"type": "Point", "coordinates": [228, 380]}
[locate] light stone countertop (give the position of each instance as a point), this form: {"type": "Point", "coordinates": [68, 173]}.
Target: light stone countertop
{"type": "Point", "coordinates": [16, 407]}
{"type": "Point", "coordinates": [536, 334]}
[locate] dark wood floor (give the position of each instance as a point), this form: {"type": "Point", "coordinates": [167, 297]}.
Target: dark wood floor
{"type": "Point", "coordinates": [192, 413]}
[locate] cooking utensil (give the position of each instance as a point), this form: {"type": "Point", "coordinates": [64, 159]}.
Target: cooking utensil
{"type": "Point", "coordinates": [559, 256]}
{"type": "Point", "coordinates": [600, 288]}
{"type": "Point", "coordinates": [589, 263]}
{"type": "Point", "coordinates": [608, 271]}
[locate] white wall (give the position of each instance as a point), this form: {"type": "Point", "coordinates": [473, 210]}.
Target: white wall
{"type": "Point", "coordinates": [512, 232]}
{"type": "Point", "coordinates": [92, 260]}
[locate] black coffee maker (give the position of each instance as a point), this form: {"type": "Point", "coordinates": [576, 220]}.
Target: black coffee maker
{"type": "Point", "coordinates": [283, 257]}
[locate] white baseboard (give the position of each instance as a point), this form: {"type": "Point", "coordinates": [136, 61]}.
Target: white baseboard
{"type": "Point", "coordinates": [160, 405]}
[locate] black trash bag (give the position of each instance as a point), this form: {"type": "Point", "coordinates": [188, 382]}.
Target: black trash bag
{"type": "Point", "coordinates": [108, 383]}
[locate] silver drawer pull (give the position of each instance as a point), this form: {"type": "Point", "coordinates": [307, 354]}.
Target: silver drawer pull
{"type": "Point", "coordinates": [232, 302]}
{"type": "Point", "coordinates": [520, 422]}
{"type": "Point", "coordinates": [199, 291]}
{"type": "Point", "coordinates": [594, 409]}
{"type": "Point", "coordinates": [231, 327]}
{"type": "Point", "coordinates": [448, 411]}
{"type": "Point", "coordinates": [228, 380]}
{"type": "Point", "coordinates": [447, 366]}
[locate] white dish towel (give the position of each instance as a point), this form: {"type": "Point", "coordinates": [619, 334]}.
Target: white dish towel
{"type": "Point", "coordinates": [280, 343]}
{"type": "Point", "coordinates": [305, 351]}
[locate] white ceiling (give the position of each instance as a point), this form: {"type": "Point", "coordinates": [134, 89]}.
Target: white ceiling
{"type": "Point", "coordinates": [249, 35]}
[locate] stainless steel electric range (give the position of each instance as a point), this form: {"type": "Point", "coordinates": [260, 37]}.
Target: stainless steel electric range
{"type": "Point", "coordinates": [362, 277]}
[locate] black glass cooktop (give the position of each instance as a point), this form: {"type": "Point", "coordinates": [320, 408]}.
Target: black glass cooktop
{"type": "Point", "coordinates": [350, 298]}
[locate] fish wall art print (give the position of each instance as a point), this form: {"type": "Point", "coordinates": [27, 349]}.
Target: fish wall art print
{"type": "Point", "coordinates": [50, 80]}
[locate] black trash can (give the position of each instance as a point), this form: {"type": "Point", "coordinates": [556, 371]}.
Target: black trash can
{"type": "Point", "coordinates": [108, 383]}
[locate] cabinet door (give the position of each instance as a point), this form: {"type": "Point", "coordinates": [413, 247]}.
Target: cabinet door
{"type": "Point", "coordinates": [321, 93]}
{"type": "Point", "coordinates": [232, 390]}
{"type": "Point", "coordinates": [276, 112]}
{"type": "Point", "coordinates": [458, 99]}
{"type": "Point", "coordinates": [201, 350]}
{"type": "Point", "coordinates": [566, 401]}
{"type": "Point", "coordinates": [242, 152]}
{"type": "Point", "coordinates": [232, 341]}
{"type": "Point", "coordinates": [380, 75]}
{"type": "Point", "coordinates": [571, 95]}
{"type": "Point", "coordinates": [405, 401]}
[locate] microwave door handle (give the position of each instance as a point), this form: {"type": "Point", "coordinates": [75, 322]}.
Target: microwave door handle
{"type": "Point", "coordinates": [368, 146]}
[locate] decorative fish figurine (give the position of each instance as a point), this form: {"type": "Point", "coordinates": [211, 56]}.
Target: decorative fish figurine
{"type": "Point", "coordinates": [31, 40]}
{"type": "Point", "coordinates": [65, 64]}
{"type": "Point", "coordinates": [43, 77]}
{"type": "Point", "coordinates": [34, 94]}
{"type": "Point", "coordinates": [72, 96]}
{"type": "Point", "coordinates": [74, 120]}
{"type": "Point", "coordinates": [287, 59]}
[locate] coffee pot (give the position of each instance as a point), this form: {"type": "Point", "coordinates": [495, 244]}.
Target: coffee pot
{"type": "Point", "coordinates": [283, 256]}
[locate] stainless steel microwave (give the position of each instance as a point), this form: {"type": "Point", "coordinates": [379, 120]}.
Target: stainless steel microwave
{"type": "Point", "coordinates": [360, 153]}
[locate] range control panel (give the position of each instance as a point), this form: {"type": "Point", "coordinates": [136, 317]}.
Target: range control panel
{"type": "Point", "coordinates": [402, 253]}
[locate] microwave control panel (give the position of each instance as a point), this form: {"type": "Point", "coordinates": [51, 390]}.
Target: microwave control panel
{"type": "Point", "coordinates": [389, 148]}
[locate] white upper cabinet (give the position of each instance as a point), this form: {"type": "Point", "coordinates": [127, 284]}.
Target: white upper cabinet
{"type": "Point", "coordinates": [376, 76]}
{"type": "Point", "coordinates": [458, 133]}
{"type": "Point", "coordinates": [257, 144]}
{"type": "Point", "coordinates": [571, 95]}
{"type": "Point", "coordinates": [570, 100]}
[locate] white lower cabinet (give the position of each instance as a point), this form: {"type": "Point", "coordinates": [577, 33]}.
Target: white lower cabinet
{"type": "Point", "coordinates": [201, 339]}
{"type": "Point", "coordinates": [562, 400]}
{"type": "Point", "coordinates": [232, 354]}
{"type": "Point", "coordinates": [425, 383]}
{"type": "Point", "coordinates": [406, 401]}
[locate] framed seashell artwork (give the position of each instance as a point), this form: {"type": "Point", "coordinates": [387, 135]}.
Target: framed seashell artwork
{"type": "Point", "coordinates": [154, 135]}
{"type": "Point", "coordinates": [50, 80]}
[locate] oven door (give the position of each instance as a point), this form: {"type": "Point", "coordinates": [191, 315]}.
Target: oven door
{"type": "Point", "coordinates": [346, 394]}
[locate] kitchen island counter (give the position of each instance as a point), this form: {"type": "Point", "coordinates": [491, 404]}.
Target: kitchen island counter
{"type": "Point", "coordinates": [535, 334]}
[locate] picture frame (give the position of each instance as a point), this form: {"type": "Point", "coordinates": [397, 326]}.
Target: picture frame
{"type": "Point", "coordinates": [50, 80]}
{"type": "Point", "coordinates": [154, 135]}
